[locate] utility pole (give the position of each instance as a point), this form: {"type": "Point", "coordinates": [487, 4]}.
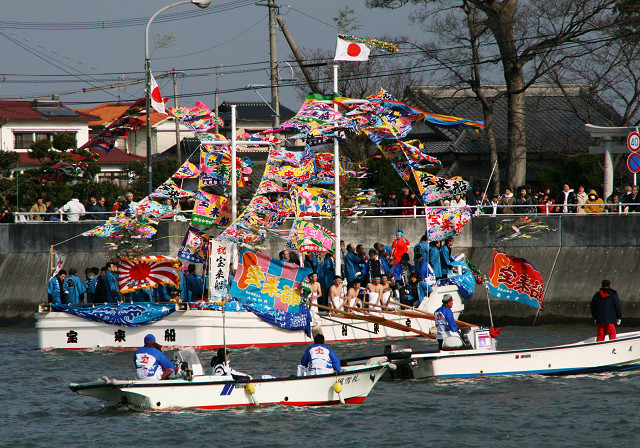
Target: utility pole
{"type": "Point", "coordinates": [296, 54]}
{"type": "Point", "coordinates": [216, 99]}
{"type": "Point", "coordinates": [175, 120]}
{"type": "Point", "coordinates": [273, 62]}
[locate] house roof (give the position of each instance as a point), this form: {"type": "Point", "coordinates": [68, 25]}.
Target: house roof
{"type": "Point", "coordinates": [252, 111]}
{"type": "Point", "coordinates": [115, 156]}
{"type": "Point", "coordinates": [106, 113]}
{"type": "Point", "coordinates": [41, 110]}
{"type": "Point", "coordinates": [555, 119]}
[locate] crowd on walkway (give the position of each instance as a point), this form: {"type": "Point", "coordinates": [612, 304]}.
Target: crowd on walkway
{"type": "Point", "coordinates": [521, 200]}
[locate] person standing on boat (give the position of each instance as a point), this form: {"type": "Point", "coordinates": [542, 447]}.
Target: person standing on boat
{"type": "Point", "coordinates": [111, 282]}
{"type": "Point", "coordinates": [193, 284]}
{"type": "Point", "coordinates": [606, 310]}
{"type": "Point", "coordinates": [399, 247]}
{"type": "Point", "coordinates": [319, 359]}
{"type": "Point", "coordinates": [56, 290]}
{"type": "Point", "coordinates": [315, 288]}
{"type": "Point", "coordinates": [445, 322]}
{"type": "Point", "coordinates": [220, 366]}
{"type": "Point", "coordinates": [75, 287]}
{"type": "Point", "coordinates": [151, 363]}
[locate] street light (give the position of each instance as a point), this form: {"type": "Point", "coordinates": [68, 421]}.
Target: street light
{"type": "Point", "coordinates": [147, 69]}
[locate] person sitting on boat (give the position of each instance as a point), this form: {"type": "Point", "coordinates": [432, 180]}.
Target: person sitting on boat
{"type": "Point", "coordinates": [220, 366]}
{"type": "Point", "coordinates": [353, 291]}
{"type": "Point", "coordinates": [151, 363]}
{"type": "Point", "coordinates": [56, 289]}
{"type": "Point", "coordinates": [335, 293]}
{"type": "Point", "coordinates": [445, 322]}
{"type": "Point", "coordinates": [386, 290]}
{"type": "Point", "coordinates": [606, 310]}
{"type": "Point", "coordinates": [319, 359]}
{"type": "Point", "coordinates": [374, 293]}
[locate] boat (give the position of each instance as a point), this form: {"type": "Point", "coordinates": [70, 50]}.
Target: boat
{"type": "Point", "coordinates": [475, 354]}
{"type": "Point", "coordinates": [188, 325]}
{"type": "Point", "coordinates": [199, 391]}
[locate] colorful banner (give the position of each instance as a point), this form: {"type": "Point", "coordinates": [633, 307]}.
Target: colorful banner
{"type": "Point", "coordinates": [137, 226]}
{"type": "Point", "coordinates": [148, 272]}
{"type": "Point", "coordinates": [444, 222]}
{"type": "Point", "coordinates": [433, 188]}
{"type": "Point", "coordinates": [313, 238]}
{"type": "Point", "coordinates": [198, 118]}
{"type": "Point", "coordinates": [313, 201]}
{"type": "Point", "coordinates": [194, 246]}
{"type": "Point", "coordinates": [215, 169]}
{"type": "Point", "coordinates": [170, 189]}
{"type": "Point", "coordinates": [219, 268]}
{"type": "Point", "coordinates": [152, 209]}
{"type": "Point", "coordinates": [215, 211]}
{"type": "Point", "coordinates": [187, 171]}
{"type": "Point", "coordinates": [267, 284]}
{"type": "Point", "coordinates": [516, 279]}
{"type": "Point", "coordinates": [123, 314]}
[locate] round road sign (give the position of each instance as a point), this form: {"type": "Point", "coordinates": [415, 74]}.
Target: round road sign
{"type": "Point", "coordinates": [633, 141]}
{"type": "Point", "coordinates": [633, 162]}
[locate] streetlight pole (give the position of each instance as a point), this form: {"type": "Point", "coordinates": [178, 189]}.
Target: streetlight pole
{"type": "Point", "coordinates": [147, 70]}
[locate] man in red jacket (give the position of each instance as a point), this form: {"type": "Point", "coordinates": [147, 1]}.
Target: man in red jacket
{"type": "Point", "coordinates": [399, 246]}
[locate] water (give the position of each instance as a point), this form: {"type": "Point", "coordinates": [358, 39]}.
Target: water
{"type": "Point", "coordinates": [38, 409]}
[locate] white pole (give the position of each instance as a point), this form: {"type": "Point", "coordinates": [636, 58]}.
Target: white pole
{"type": "Point", "coordinates": [234, 179]}
{"type": "Point", "coordinates": [336, 177]}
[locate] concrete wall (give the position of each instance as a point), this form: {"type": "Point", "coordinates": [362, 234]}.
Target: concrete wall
{"type": "Point", "coordinates": [573, 258]}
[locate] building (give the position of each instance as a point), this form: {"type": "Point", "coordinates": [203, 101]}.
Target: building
{"type": "Point", "coordinates": [25, 122]}
{"type": "Point", "coordinates": [554, 128]}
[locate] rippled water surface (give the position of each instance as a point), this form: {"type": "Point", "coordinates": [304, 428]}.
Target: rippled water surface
{"type": "Point", "coordinates": [39, 410]}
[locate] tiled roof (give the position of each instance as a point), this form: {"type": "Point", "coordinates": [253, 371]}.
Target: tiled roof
{"type": "Point", "coordinates": [252, 111]}
{"type": "Point", "coordinates": [115, 156]}
{"type": "Point", "coordinates": [108, 112]}
{"type": "Point", "coordinates": [554, 122]}
{"type": "Point", "coordinates": [41, 110]}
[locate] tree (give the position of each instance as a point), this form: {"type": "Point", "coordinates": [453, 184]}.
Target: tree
{"type": "Point", "coordinates": [7, 160]}
{"type": "Point", "coordinates": [523, 34]}
{"type": "Point", "coordinates": [40, 150]}
{"type": "Point", "coordinates": [63, 141]}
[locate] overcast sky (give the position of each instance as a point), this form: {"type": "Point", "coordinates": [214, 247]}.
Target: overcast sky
{"type": "Point", "coordinates": [41, 38]}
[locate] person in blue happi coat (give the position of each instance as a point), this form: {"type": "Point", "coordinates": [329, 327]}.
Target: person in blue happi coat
{"type": "Point", "coordinates": [111, 282]}
{"type": "Point", "coordinates": [434, 258]}
{"type": "Point", "coordinates": [74, 286]}
{"type": "Point", "coordinates": [56, 290]}
{"type": "Point", "coordinates": [193, 284]}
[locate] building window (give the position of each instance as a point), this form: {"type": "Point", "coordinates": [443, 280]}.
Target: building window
{"type": "Point", "coordinates": [44, 135]}
{"type": "Point", "coordinates": [23, 140]}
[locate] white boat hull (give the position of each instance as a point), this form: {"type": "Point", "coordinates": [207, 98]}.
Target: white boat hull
{"type": "Point", "coordinates": [582, 357]}
{"type": "Point", "coordinates": [216, 392]}
{"type": "Point", "coordinates": [203, 330]}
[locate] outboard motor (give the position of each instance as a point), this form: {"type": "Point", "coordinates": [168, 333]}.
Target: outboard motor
{"type": "Point", "coordinates": [475, 338]}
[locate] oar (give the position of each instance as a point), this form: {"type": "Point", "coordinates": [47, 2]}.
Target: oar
{"type": "Point", "coordinates": [375, 319]}
{"type": "Point", "coordinates": [398, 312]}
{"type": "Point", "coordinates": [429, 315]}
{"type": "Point", "coordinates": [390, 323]}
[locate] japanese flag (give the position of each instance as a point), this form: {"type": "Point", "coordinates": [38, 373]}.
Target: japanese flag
{"type": "Point", "coordinates": [351, 51]}
{"type": "Point", "coordinates": [157, 102]}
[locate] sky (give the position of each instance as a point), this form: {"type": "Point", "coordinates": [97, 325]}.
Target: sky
{"type": "Point", "coordinates": [73, 48]}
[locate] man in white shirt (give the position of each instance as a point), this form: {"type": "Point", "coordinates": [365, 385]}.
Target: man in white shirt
{"type": "Point", "coordinates": [74, 209]}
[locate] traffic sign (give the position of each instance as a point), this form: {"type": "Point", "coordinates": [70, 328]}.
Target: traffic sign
{"type": "Point", "coordinates": [633, 141]}
{"type": "Point", "coordinates": [633, 162]}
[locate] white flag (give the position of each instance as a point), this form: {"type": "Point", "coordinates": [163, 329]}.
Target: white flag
{"type": "Point", "coordinates": [351, 51]}
{"type": "Point", "coordinates": [157, 102]}
{"type": "Point", "coordinates": [59, 259]}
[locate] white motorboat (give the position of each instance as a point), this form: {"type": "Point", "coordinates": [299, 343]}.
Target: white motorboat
{"type": "Point", "coordinates": [196, 390]}
{"type": "Point", "coordinates": [475, 354]}
{"type": "Point", "coordinates": [203, 328]}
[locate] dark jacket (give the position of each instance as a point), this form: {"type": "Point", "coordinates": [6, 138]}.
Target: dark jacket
{"type": "Point", "coordinates": [605, 306]}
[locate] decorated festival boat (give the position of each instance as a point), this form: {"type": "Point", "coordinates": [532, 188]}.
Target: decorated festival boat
{"type": "Point", "coordinates": [197, 390]}
{"type": "Point", "coordinates": [263, 300]}
{"type": "Point", "coordinates": [123, 326]}
{"type": "Point", "coordinates": [475, 354]}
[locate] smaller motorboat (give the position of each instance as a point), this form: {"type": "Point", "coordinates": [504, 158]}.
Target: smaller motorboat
{"type": "Point", "coordinates": [194, 389]}
{"type": "Point", "coordinates": [474, 353]}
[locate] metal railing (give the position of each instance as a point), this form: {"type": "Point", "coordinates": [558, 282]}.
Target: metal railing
{"type": "Point", "coordinates": [368, 212]}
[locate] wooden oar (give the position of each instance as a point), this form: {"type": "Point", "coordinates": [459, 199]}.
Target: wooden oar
{"type": "Point", "coordinates": [387, 322]}
{"type": "Point", "coordinates": [400, 312]}
{"type": "Point", "coordinates": [375, 319]}
{"type": "Point", "coordinates": [429, 315]}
